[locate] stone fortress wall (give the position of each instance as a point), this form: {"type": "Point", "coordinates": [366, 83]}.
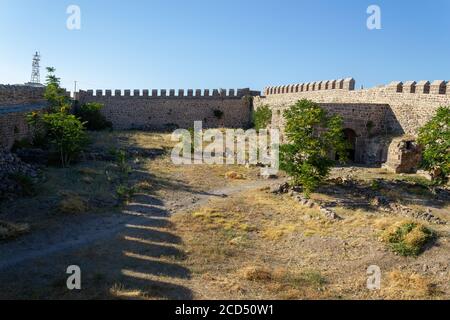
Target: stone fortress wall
{"type": "Point", "coordinates": [165, 109]}
{"type": "Point", "coordinates": [15, 102]}
{"type": "Point", "coordinates": [372, 114]}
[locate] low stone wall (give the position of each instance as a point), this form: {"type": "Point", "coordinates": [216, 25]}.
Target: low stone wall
{"type": "Point", "coordinates": [162, 110]}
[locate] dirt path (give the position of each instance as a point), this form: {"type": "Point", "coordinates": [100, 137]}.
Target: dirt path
{"type": "Point", "coordinates": [82, 231]}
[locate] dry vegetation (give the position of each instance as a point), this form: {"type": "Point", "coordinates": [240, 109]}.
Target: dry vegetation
{"type": "Point", "coordinates": [261, 246]}
{"type": "Point", "coordinates": [251, 244]}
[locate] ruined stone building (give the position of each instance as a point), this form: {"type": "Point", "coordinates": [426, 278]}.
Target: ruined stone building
{"type": "Point", "coordinates": [380, 123]}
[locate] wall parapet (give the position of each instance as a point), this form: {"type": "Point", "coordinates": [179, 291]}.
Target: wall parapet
{"type": "Point", "coordinates": [437, 87]}
{"type": "Point", "coordinates": [340, 84]}
{"type": "Point", "coordinates": [169, 94]}
{"type": "Point", "coordinates": [19, 94]}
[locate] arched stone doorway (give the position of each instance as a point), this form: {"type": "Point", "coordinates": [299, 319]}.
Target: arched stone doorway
{"type": "Point", "coordinates": [350, 136]}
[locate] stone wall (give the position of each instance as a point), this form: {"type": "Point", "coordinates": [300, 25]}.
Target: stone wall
{"type": "Point", "coordinates": [20, 94]}
{"type": "Point", "coordinates": [15, 102]}
{"type": "Point", "coordinates": [386, 111]}
{"type": "Point", "coordinates": [162, 109]}
{"type": "Point", "coordinates": [411, 104]}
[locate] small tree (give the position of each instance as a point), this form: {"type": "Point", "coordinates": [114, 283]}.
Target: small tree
{"type": "Point", "coordinates": [66, 133]}
{"type": "Point", "coordinates": [55, 128]}
{"type": "Point", "coordinates": [54, 94]}
{"type": "Point", "coordinates": [262, 117]}
{"type": "Point", "coordinates": [434, 137]}
{"type": "Point", "coordinates": [311, 134]}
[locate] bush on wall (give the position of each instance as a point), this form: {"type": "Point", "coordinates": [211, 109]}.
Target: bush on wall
{"type": "Point", "coordinates": [262, 117]}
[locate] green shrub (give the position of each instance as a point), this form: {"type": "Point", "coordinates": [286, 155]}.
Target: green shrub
{"type": "Point", "coordinates": [122, 161]}
{"type": "Point", "coordinates": [407, 238]}
{"type": "Point", "coordinates": [262, 117]}
{"type": "Point", "coordinates": [66, 135]}
{"type": "Point", "coordinates": [125, 193]}
{"type": "Point", "coordinates": [38, 129]}
{"type": "Point", "coordinates": [25, 183]}
{"type": "Point", "coordinates": [306, 157]}
{"type": "Point", "coordinates": [56, 129]}
{"type": "Point", "coordinates": [91, 115]}
{"type": "Point", "coordinates": [434, 137]}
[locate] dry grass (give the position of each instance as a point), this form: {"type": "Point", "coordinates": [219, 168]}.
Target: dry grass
{"type": "Point", "coordinates": [72, 203]}
{"type": "Point", "coordinates": [119, 291]}
{"type": "Point", "coordinates": [407, 238]}
{"type": "Point", "coordinates": [254, 273]}
{"type": "Point", "coordinates": [234, 175]}
{"type": "Point", "coordinates": [10, 230]}
{"type": "Point", "coordinates": [407, 285]}
{"type": "Point", "coordinates": [261, 246]}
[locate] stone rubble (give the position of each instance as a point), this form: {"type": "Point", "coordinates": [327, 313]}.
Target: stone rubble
{"type": "Point", "coordinates": [369, 197]}
{"type": "Point", "coordinates": [11, 164]}
{"type": "Point", "coordinates": [295, 192]}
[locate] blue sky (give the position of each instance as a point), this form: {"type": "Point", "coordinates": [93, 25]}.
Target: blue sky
{"type": "Point", "coordinates": [144, 44]}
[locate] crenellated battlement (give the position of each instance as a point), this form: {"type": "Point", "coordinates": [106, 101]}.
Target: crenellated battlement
{"type": "Point", "coordinates": [410, 103]}
{"type": "Point", "coordinates": [19, 94]}
{"type": "Point", "coordinates": [421, 87]}
{"type": "Point", "coordinates": [168, 94]}
{"type": "Point", "coordinates": [340, 84]}
{"type": "Point", "coordinates": [437, 87]}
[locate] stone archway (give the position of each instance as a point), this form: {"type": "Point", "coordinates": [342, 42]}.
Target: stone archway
{"type": "Point", "coordinates": [350, 135]}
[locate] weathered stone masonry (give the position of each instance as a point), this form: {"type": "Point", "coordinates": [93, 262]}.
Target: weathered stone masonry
{"type": "Point", "coordinates": [393, 110]}
{"type": "Point", "coordinates": [15, 102]}
{"type": "Point", "coordinates": [164, 109]}
{"type": "Point", "coordinates": [372, 117]}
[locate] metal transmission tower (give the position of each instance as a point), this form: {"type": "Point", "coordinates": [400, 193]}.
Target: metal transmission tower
{"type": "Point", "coordinates": [35, 73]}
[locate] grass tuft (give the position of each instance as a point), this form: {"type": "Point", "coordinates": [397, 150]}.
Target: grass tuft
{"type": "Point", "coordinates": [407, 238]}
{"type": "Point", "coordinates": [10, 230]}
{"type": "Point", "coordinates": [72, 204]}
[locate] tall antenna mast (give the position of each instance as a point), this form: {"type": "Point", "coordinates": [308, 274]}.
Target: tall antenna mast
{"type": "Point", "coordinates": [35, 73]}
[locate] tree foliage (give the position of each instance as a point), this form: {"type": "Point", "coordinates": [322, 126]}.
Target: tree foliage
{"type": "Point", "coordinates": [262, 117]}
{"type": "Point", "coordinates": [312, 134]}
{"type": "Point", "coordinates": [57, 129]}
{"type": "Point", "coordinates": [66, 134]}
{"type": "Point", "coordinates": [91, 114]}
{"type": "Point", "coordinates": [434, 137]}
{"type": "Point", "coordinates": [54, 94]}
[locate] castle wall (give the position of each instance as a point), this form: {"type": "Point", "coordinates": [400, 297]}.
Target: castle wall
{"type": "Point", "coordinates": [396, 109]}
{"type": "Point", "coordinates": [15, 102]}
{"type": "Point", "coordinates": [411, 104]}
{"type": "Point", "coordinates": [20, 94]}
{"type": "Point", "coordinates": [163, 109]}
